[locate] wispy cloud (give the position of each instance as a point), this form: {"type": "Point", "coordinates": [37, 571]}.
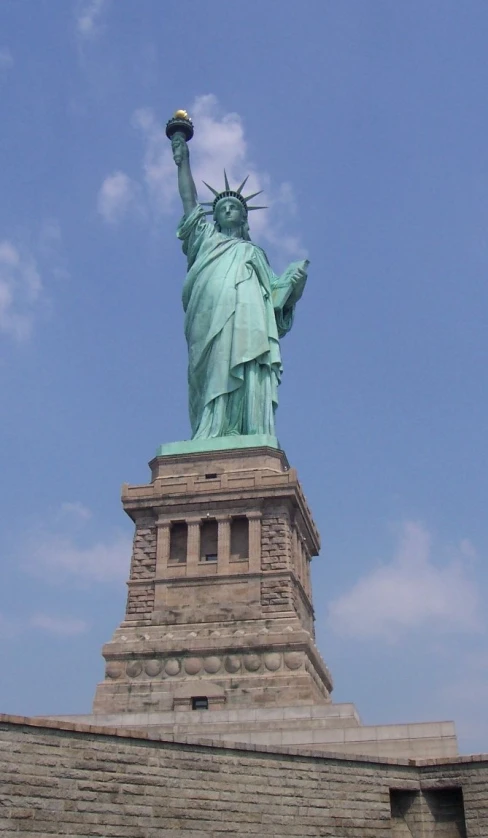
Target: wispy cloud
{"type": "Point", "coordinates": [58, 558]}
{"type": "Point", "coordinates": [464, 694]}
{"type": "Point", "coordinates": [88, 17]}
{"type": "Point", "coordinates": [20, 289]}
{"type": "Point", "coordinates": [117, 193]}
{"type": "Point", "coordinates": [411, 591]}
{"type": "Point", "coordinates": [58, 625]}
{"type": "Point", "coordinates": [6, 59]}
{"type": "Point", "coordinates": [219, 143]}
{"type": "Point", "coordinates": [64, 550]}
{"type": "Point", "coordinates": [11, 627]}
{"type": "Point", "coordinates": [50, 248]}
{"type": "Point", "coordinates": [76, 509]}
{"type": "Point", "coordinates": [26, 262]}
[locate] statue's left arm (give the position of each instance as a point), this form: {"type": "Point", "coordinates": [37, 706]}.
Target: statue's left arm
{"type": "Point", "coordinates": [286, 290]}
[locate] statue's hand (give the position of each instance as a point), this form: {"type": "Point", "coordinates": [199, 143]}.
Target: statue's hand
{"type": "Point", "coordinates": [180, 149]}
{"type": "Point", "coordinates": [299, 280]}
{"type": "Point", "coordinates": [300, 275]}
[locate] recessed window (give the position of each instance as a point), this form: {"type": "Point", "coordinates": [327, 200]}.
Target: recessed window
{"type": "Point", "coordinates": [441, 810]}
{"type": "Point", "coordinates": [446, 807]}
{"type": "Point", "coordinates": [178, 542]}
{"type": "Point", "coordinates": [199, 702]}
{"type": "Point", "coordinates": [208, 540]}
{"type": "Point", "coordinates": [239, 538]}
{"type": "Point", "coordinates": [211, 476]}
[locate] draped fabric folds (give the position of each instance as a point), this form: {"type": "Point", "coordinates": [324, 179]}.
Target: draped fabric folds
{"type": "Point", "coordinates": [236, 309]}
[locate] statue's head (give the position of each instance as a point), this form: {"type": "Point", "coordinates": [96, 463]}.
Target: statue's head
{"type": "Point", "coordinates": [230, 209]}
{"type": "Point", "coordinates": [230, 217]}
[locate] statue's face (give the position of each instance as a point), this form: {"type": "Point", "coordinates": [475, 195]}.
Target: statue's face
{"type": "Point", "coordinates": [229, 214]}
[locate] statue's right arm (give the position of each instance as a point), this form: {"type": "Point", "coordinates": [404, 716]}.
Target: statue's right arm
{"type": "Point", "coordinates": [186, 184]}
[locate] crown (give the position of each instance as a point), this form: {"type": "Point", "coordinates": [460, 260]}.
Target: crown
{"type": "Point", "coordinates": [231, 193]}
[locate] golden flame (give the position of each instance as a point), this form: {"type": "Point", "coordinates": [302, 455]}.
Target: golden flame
{"type": "Point", "coordinates": [181, 114]}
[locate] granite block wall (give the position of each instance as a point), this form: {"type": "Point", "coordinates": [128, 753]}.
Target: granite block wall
{"type": "Point", "coordinates": [61, 779]}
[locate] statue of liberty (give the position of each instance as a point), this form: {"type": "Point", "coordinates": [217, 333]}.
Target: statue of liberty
{"type": "Point", "coordinates": [236, 308]}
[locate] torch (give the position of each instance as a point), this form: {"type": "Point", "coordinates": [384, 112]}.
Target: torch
{"type": "Point", "coordinates": [180, 123]}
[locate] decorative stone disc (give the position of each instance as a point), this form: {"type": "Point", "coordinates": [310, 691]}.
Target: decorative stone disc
{"type": "Point", "coordinates": [153, 667]}
{"type": "Point", "coordinates": [172, 666]}
{"type": "Point", "coordinates": [252, 662]}
{"type": "Point", "coordinates": [212, 664]}
{"type": "Point", "coordinates": [232, 663]}
{"type": "Point", "coordinates": [192, 665]}
{"type": "Point", "coordinates": [133, 669]}
{"type": "Point", "coordinates": [293, 660]}
{"type": "Point", "coordinates": [113, 669]}
{"type": "Point", "coordinates": [272, 661]}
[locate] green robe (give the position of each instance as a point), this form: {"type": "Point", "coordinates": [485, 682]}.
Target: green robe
{"type": "Point", "coordinates": [236, 310]}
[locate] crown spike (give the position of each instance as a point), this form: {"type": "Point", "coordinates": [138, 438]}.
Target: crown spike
{"type": "Point", "coordinates": [226, 181]}
{"type": "Point", "coordinates": [211, 188]}
{"type": "Point", "coordinates": [250, 197]}
{"type": "Point", "coordinates": [241, 187]}
{"type": "Point", "coordinates": [255, 208]}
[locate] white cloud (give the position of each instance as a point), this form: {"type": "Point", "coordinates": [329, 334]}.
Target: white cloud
{"type": "Point", "coordinates": [20, 289]}
{"type": "Point", "coordinates": [25, 265]}
{"type": "Point", "coordinates": [9, 627]}
{"type": "Point", "coordinates": [411, 591]}
{"type": "Point", "coordinates": [88, 17]}
{"type": "Point", "coordinates": [50, 248]}
{"type": "Point", "coordinates": [50, 235]}
{"type": "Point", "coordinates": [464, 694]}
{"type": "Point", "coordinates": [76, 510]}
{"type": "Point", "coordinates": [219, 144]}
{"type": "Point", "coordinates": [59, 557]}
{"type": "Point", "coordinates": [58, 625]}
{"type": "Point", "coordinates": [158, 166]}
{"type": "Point", "coordinates": [6, 59]}
{"type": "Point", "coordinates": [116, 194]}
{"type": "Point", "coordinates": [63, 550]}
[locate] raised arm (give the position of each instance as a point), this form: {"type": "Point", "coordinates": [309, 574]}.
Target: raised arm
{"type": "Point", "coordinates": [186, 184]}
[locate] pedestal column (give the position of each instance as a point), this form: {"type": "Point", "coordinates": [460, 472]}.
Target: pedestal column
{"type": "Point", "coordinates": [163, 535]}
{"type": "Point", "coordinates": [162, 547]}
{"type": "Point", "coordinates": [308, 582]}
{"type": "Point", "coordinates": [303, 562]}
{"type": "Point", "coordinates": [254, 519]}
{"type": "Point", "coordinates": [193, 546]}
{"type": "Point", "coordinates": [296, 559]}
{"type": "Point", "coordinates": [223, 548]}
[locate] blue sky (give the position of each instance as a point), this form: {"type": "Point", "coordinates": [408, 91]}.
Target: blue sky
{"type": "Point", "coordinates": [365, 122]}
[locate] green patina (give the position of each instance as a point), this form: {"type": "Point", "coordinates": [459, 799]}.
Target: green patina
{"type": "Point", "coordinates": [224, 443]}
{"type": "Point", "coordinates": [236, 311]}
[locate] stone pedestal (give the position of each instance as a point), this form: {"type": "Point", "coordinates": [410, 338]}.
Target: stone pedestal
{"type": "Point", "coordinates": [218, 635]}
{"type": "Point", "coordinates": [219, 609]}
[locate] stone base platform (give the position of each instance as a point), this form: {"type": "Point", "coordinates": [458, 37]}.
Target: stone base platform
{"type": "Point", "coordinates": [217, 444]}
{"type": "Point", "coordinates": [334, 727]}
